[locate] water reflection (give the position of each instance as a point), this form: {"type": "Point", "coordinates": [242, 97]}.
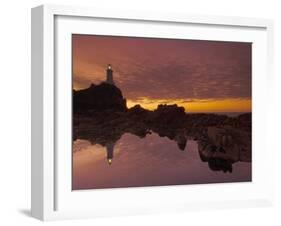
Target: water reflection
{"type": "Point", "coordinates": [160, 157]}
{"type": "Point", "coordinates": [109, 150]}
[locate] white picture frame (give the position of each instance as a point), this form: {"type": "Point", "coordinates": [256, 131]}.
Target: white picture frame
{"type": "Point", "coordinates": [52, 197]}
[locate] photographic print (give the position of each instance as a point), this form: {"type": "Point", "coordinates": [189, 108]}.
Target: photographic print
{"type": "Point", "coordinates": [158, 112]}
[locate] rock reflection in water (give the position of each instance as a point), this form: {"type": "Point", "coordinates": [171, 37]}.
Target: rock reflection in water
{"type": "Point", "coordinates": [160, 157]}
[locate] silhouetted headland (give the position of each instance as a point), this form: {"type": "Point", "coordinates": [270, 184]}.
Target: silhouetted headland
{"type": "Point", "coordinates": [100, 97]}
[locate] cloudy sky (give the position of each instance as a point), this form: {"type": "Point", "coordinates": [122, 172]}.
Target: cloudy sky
{"type": "Point", "coordinates": [202, 76]}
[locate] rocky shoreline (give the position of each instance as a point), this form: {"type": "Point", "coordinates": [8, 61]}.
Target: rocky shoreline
{"type": "Point", "coordinates": [100, 116]}
{"type": "Point", "coordinates": [222, 140]}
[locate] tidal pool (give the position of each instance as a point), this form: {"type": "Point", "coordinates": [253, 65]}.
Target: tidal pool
{"type": "Point", "coordinates": [150, 161]}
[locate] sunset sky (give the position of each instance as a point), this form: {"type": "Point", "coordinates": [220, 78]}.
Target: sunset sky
{"type": "Point", "coordinates": [202, 76]}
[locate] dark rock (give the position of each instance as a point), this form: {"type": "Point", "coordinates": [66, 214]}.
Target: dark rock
{"type": "Point", "coordinates": [100, 97]}
{"type": "Point", "coordinates": [169, 116]}
{"type": "Point", "coordinates": [137, 110]}
{"type": "Point", "coordinates": [220, 164]}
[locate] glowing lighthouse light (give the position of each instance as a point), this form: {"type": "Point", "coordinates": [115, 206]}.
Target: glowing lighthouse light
{"type": "Point", "coordinates": [109, 75]}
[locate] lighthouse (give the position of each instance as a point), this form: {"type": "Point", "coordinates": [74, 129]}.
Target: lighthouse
{"type": "Point", "coordinates": [109, 75]}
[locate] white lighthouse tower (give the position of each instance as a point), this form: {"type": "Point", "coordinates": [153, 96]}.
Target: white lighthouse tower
{"type": "Point", "coordinates": [109, 75]}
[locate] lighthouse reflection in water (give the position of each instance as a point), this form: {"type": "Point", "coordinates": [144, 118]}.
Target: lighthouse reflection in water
{"type": "Point", "coordinates": [109, 149]}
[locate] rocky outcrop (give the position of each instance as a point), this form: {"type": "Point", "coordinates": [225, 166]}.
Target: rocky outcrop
{"type": "Point", "coordinates": [223, 146]}
{"type": "Point", "coordinates": [100, 97]}
{"type": "Point", "coordinates": [171, 116]}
